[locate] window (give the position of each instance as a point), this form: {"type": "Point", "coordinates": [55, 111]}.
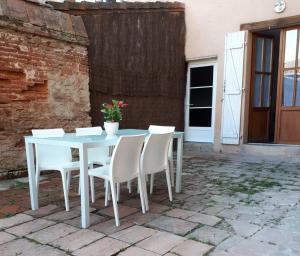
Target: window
{"type": "Point", "coordinates": [262, 72]}
{"type": "Point", "coordinates": [201, 96]}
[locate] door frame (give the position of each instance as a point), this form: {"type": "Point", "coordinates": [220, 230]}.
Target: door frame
{"type": "Point", "coordinates": [206, 130]}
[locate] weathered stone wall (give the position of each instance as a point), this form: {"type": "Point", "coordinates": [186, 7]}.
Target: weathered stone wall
{"type": "Point", "coordinates": [43, 84]}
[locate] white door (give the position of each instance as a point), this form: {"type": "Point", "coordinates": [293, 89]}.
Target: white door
{"type": "Point", "coordinates": [233, 87]}
{"type": "Point", "coordinates": [200, 101]}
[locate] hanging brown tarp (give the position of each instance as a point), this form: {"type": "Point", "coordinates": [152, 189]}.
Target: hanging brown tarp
{"type": "Point", "coordinates": [136, 53]}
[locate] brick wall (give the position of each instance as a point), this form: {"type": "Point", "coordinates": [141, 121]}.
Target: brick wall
{"type": "Point", "coordinates": [43, 84]}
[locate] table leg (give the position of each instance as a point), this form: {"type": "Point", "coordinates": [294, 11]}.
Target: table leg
{"type": "Point", "coordinates": [84, 188]}
{"type": "Point", "coordinates": [179, 164]}
{"type": "Point", "coordinates": [31, 176]}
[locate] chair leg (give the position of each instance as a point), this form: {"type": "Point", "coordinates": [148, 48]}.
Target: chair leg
{"type": "Point", "coordinates": [129, 186]}
{"type": "Point", "coordinates": [79, 185]}
{"type": "Point", "coordinates": [65, 188]}
{"type": "Point", "coordinates": [108, 191]}
{"type": "Point", "coordinates": [151, 183]}
{"type": "Point", "coordinates": [169, 183]}
{"type": "Point", "coordinates": [144, 186]}
{"type": "Point", "coordinates": [118, 192]}
{"type": "Point", "coordinates": [69, 179]}
{"type": "Point", "coordinates": [171, 166]}
{"type": "Point", "coordinates": [106, 182]}
{"type": "Point", "coordinates": [92, 181]}
{"type": "Point", "coordinates": [142, 194]}
{"type": "Point", "coordinates": [115, 203]}
{"type": "Point", "coordinates": [37, 179]}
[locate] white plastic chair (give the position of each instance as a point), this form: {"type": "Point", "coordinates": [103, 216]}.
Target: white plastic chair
{"type": "Point", "coordinates": [99, 156]}
{"type": "Point", "coordinates": [157, 129]}
{"type": "Point", "coordinates": [58, 158]}
{"type": "Point", "coordinates": [124, 166]}
{"type": "Point", "coordinates": [154, 158]}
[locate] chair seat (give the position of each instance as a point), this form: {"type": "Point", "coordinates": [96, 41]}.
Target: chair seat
{"type": "Point", "coordinates": [71, 165]}
{"type": "Point", "coordinates": [102, 161]}
{"type": "Point", "coordinates": [160, 169]}
{"type": "Point", "coordinates": [67, 166]}
{"type": "Point", "coordinates": [100, 172]}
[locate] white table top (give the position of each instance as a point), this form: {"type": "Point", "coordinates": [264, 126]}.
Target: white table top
{"type": "Point", "coordinates": [71, 140]}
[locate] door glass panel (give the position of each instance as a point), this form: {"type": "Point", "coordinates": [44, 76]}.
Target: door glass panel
{"type": "Point", "coordinates": [200, 117]}
{"type": "Point", "coordinates": [202, 76]}
{"type": "Point", "coordinates": [290, 48]}
{"type": "Point", "coordinates": [259, 51]}
{"type": "Point", "coordinates": [266, 90]}
{"type": "Point", "coordinates": [298, 89]}
{"type": "Point", "coordinates": [288, 87]}
{"type": "Point", "coordinates": [268, 55]}
{"type": "Point", "coordinates": [256, 91]}
{"type": "Point", "coordinates": [299, 51]}
{"type": "Point", "coordinates": [201, 97]}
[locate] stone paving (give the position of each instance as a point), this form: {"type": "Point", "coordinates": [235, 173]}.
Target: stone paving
{"type": "Point", "coordinates": [227, 207]}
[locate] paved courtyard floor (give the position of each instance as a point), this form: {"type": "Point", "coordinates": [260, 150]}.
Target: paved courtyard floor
{"type": "Point", "coordinates": [227, 207]}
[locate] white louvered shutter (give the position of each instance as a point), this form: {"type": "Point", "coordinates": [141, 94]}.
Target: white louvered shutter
{"type": "Point", "coordinates": [233, 84]}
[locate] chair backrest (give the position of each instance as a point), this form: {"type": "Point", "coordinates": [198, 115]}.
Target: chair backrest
{"type": "Point", "coordinates": [49, 156]}
{"type": "Point", "coordinates": [48, 133]}
{"type": "Point", "coordinates": [155, 153]}
{"type": "Point", "coordinates": [125, 162]}
{"type": "Point", "coordinates": [155, 129]}
{"type": "Point", "coordinates": [89, 131]}
{"type": "Point", "coordinates": [161, 129]}
{"type": "Point", "coordinates": [94, 154]}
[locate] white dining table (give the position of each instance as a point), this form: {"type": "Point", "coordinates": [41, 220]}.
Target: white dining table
{"type": "Point", "coordinates": [82, 143]}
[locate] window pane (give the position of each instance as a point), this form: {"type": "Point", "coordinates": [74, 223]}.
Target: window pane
{"type": "Point", "coordinates": [288, 88]}
{"type": "Point", "coordinates": [266, 91]}
{"type": "Point", "coordinates": [298, 89]}
{"type": "Point", "coordinates": [259, 45]}
{"type": "Point", "coordinates": [256, 91]}
{"type": "Point", "coordinates": [290, 48]}
{"type": "Point", "coordinates": [202, 76]}
{"type": "Point", "coordinates": [201, 97]}
{"type": "Point", "coordinates": [268, 55]}
{"type": "Point", "coordinates": [200, 117]}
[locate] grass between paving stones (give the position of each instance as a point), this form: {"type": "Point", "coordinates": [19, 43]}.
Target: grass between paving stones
{"type": "Point", "coordinates": [241, 188]}
{"type": "Point", "coordinates": [262, 183]}
{"type": "Point", "coordinates": [197, 240]}
{"type": "Point", "coordinates": [8, 215]}
{"type": "Point", "coordinates": [249, 186]}
{"type": "Point", "coordinates": [248, 201]}
{"type": "Point", "coordinates": [21, 185]}
{"type": "Point", "coordinates": [32, 240]}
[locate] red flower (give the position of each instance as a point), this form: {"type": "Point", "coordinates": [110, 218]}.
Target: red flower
{"type": "Point", "coordinates": [121, 104]}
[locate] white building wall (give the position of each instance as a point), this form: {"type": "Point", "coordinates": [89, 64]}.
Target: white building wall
{"type": "Point", "coordinates": [208, 21]}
